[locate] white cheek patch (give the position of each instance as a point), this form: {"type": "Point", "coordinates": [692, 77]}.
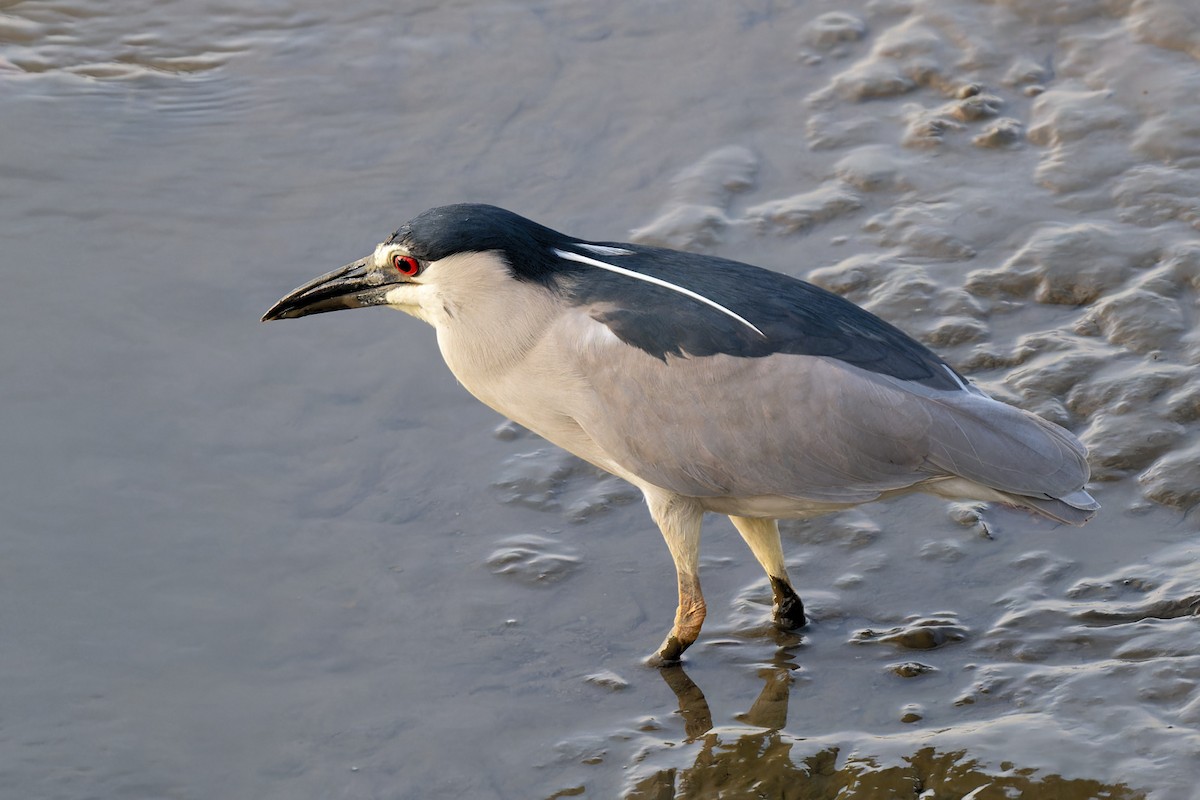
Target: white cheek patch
{"type": "Point", "coordinates": [411, 298]}
{"type": "Point", "coordinates": [404, 294]}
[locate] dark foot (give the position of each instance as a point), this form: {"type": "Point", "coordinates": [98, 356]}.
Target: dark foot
{"type": "Point", "coordinates": [789, 610]}
{"type": "Point", "coordinates": [669, 652]}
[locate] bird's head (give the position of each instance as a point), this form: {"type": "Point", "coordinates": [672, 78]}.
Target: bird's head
{"type": "Point", "coordinates": [437, 251]}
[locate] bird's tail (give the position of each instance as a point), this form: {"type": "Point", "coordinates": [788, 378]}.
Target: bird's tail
{"type": "Point", "coordinates": [1075, 508]}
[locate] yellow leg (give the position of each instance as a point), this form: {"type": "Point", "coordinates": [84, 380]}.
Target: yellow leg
{"type": "Point", "coordinates": [679, 520]}
{"type": "Point", "coordinates": [762, 535]}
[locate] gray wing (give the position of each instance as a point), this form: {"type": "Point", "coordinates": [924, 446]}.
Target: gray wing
{"type": "Point", "coordinates": [810, 427]}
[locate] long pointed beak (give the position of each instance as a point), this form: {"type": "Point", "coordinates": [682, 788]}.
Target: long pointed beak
{"type": "Point", "coordinates": [356, 285]}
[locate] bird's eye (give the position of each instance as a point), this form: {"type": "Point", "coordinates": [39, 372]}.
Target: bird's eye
{"type": "Point", "coordinates": [406, 265]}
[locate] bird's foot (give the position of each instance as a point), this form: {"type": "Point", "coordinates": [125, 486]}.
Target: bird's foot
{"type": "Point", "coordinates": [669, 653]}
{"type": "Point", "coordinates": [790, 616]}
{"type": "Point", "coordinates": [689, 617]}
{"type": "Point", "coordinates": [789, 610]}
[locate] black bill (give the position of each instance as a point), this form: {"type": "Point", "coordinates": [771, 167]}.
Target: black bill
{"type": "Point", "coordinates": [356, 285]}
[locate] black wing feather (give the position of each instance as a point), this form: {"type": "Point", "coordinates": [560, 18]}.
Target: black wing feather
{"type": "Point", "coordinates": [796, 317]}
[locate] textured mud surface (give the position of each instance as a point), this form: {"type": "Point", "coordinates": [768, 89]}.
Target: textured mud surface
{"type": "Point", "coordinates": [298, 561]}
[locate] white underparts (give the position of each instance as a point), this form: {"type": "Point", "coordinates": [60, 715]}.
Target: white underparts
{"type": "Point", "coordinates": [657, 282]}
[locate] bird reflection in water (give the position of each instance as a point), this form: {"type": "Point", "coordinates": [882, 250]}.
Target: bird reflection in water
{"type": "Point", "coordinates": [767, 762]}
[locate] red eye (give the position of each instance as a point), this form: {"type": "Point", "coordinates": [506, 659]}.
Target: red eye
{"type": "Point", "coordinates": [406, 265]}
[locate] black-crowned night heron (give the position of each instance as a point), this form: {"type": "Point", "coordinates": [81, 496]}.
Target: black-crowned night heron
{"type": "Point", "coordinates": [709, 384]}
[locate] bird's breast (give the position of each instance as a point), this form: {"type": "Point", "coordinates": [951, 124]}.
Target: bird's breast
{"type": "Point", "coordinates": [535, 385]}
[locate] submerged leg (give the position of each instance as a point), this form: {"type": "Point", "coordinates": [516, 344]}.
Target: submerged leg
{"type": "Point", "coordinates": [763, 537]}
{"type": "Point", "coordinates": [679, 520]}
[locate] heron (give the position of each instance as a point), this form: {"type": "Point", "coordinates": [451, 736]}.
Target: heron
{"type": "Point", "coordinates": [711, 385]}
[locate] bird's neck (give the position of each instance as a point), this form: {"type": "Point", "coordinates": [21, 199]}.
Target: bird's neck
{"type": "Point", "coordinates": [487, 341]}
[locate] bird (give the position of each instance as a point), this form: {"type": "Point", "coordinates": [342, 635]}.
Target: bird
{"type": "Point", "coordinates": [711, 385]}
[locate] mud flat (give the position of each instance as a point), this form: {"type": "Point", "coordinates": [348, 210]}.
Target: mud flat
{"type": "Point", "coordinates": [1031, 213]}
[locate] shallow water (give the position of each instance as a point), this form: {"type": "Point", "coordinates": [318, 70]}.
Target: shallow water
{"type": "Point", "coordinates": [297, 560]}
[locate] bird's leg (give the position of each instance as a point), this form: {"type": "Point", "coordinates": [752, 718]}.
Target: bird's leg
{"type": "Point", "coordinates": [762, 535]}
{"type": "Point", "coordinates": [689, 616]}
{"type": "Point", "coordinates": [679, 519]}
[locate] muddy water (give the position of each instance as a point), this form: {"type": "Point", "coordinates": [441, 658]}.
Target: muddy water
{"type": "Point", "coordinates": [297, 561]}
